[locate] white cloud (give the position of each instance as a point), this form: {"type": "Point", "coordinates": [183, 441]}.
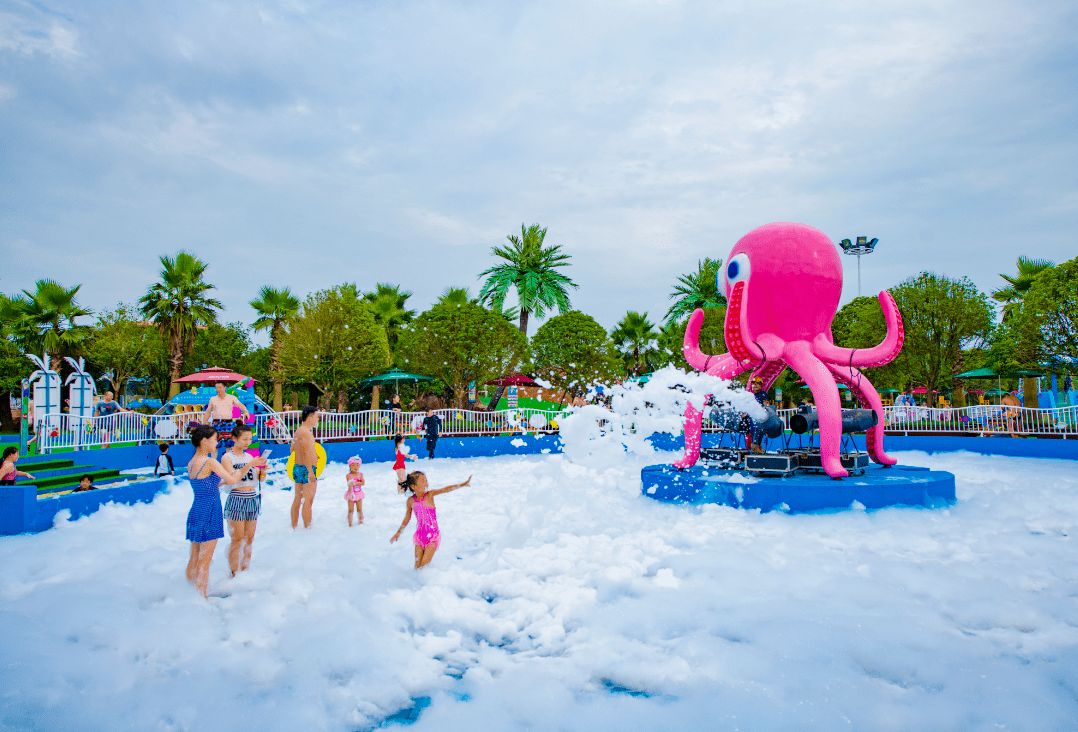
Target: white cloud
{"type": "Point", "coordinates": [406, 140]}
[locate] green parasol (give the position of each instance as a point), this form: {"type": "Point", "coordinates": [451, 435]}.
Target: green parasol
{"type": "Point", "coordinates": [394, 375]}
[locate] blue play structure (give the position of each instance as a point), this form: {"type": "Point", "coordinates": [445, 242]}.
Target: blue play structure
{"type": "Point", "coordinates": [877, 487]}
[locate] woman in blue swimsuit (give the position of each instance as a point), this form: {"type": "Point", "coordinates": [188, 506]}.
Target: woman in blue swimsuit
{"type": "Point", "coordinates": [206, 521]}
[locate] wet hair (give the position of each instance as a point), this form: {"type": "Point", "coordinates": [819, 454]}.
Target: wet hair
{"type": "Point", "coordinates": [239, 430]}
{"type": "Point", "coordinates": [10, 451]}
{"type": "Point", "coordinates": [412, 480]}
{"type": "Point", "coordinates": [87, 477]}
{"type": "Point", "coordinates": [163, 447]}
{"type": "Point", "coordinates": [218, 383]}
{"type": "Point", "coordinates": [307, 412]}
{"type": "Point", "coordinates": [398, 440]}
{"type": "Point", "coordinates": [202, 432]}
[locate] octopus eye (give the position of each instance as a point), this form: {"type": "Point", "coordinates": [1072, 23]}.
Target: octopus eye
{"type": "Point", "coordinates": [737, 269]}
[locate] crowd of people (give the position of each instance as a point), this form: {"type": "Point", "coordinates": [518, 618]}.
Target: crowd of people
{"type": "Point", "coordinates": [243, 473]}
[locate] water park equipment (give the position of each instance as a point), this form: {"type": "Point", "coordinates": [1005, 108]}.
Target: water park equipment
{"type": "Point", "coordinates": [46, 384]}
{"type": "Point", "coordinates": [783, 282]}
{"type": "Point", "coordinates": [81, 388]}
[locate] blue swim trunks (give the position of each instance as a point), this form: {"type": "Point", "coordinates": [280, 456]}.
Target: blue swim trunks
{"type": "Point", "coordinates": [300, 474]}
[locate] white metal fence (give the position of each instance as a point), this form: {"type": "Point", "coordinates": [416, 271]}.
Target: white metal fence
{"type": "Point", "coordinates": [975, 421]}
{"type": "Point", "coordinates": [65, 432]}
{"type": "Point", "coordinates": [62, 431]}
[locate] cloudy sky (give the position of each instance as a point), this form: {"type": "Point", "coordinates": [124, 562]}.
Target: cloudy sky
{"type": "Point", "coordinates": [312, 143]}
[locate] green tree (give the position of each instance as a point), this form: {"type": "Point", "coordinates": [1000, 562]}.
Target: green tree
{"type": "Point", "coordinates": [122, 346]}
{"type": "Point", "coordinates": [572, 351]}
{"type": "Point", "coordinates": [14, 367]}
{"type": "Point", "coordinates": [1043, 329]}
{"type": "Point", "coordinates": [1052, 305]}
{"type": "Point", "coordinates": [389, 305]}
{"type": "Point", "coordinates": [635, 336]}
{"type": "Point", "coordinates": [860, 324]}
{"type": "Point", "coordinates": [177, 305]}
{"type": "Point", "coordinates": [460, 344]}
{"type": "Point", "coordinates": [1019, 284]}
{"type": "Point", "coordinates": [45, 319]}
{"type": "Point", "coordinates": [461, 296]}
{"type": "Point", "coordinates": [274, 307]}
{"type": "Point", "coordinates": [333, 342]}
{"type": "Point", "coordinates": [699, 289]}
{"type": "Point", "coordinates": [942, 316]}
{"type": "Point", "coordinates": [671, 340]}
{"type": "Point", "coordinates": [227, 345]}
{"type": "Point", "coordinates": [532, 270]}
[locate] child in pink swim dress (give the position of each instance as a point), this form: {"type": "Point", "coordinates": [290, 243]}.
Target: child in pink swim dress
{"type": "Point", "coordinates": [427, 537]}
{"type": "Point", "coordinates": [354, 494]}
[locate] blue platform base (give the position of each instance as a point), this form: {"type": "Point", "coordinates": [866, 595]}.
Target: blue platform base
{"type": "Point", "coordinates": [899, 485]}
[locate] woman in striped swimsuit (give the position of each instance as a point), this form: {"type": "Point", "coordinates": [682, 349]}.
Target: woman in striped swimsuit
{"type": "Point", "coordinates": [427, 536]}
{"type": "Point", "coordinates": [244, 502]}
{"type": "Point", "coordinates": [205, 524]}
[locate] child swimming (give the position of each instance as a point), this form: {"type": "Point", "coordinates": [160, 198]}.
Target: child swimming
{"type": "Point", "coordinates": [9, 472]}
{"type": "Point", "coordinates": [398, 445]}
{"type": "Point", "coordinates": [354, 494]}
{"type": "Point", "coordinates": [427, 536]}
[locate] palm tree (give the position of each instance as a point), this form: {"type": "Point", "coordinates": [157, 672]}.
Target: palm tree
{"type": "Point", "coordinates": [1019, 285]}
{"type": "Point", "coordinates": [177, 305]}
{"type": "Point", "coordinates": [274, 307]}
{"type": "Point", "coordinates": [388, 303]}
{"type": "Point", "coordinates": [46, 318]}
{"type": "Point", "coordinates": [531, 269]}
{"type": "Point", "coordinates": [699, 289]}
{"type": "Point", "coordinates": [462, 296]}
{"type": "Point", "coordinates": [636, 338]}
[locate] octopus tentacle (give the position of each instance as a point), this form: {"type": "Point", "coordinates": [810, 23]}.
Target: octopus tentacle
{"type": "Point", "coordinates": [879, 355]}
{"type": "Point", "coordinates": [821, 383]}
{"type": "Point", "coordinates": [867, 398]}
{"type": "Point", "coordinates": [726, 368]}
{"type": "Point", "coordinates": [724, 365]}
{"type": "Point", "coordinates": [736, 330]}
{"type": "Point", "coordinates": [769, 372]}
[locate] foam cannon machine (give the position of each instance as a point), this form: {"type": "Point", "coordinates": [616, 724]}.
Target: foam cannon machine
{"type": "Point", "coordinates": [789, 458]}
{"type": "Point", "coordinates": [854, 421]}
{"type": "Point", "coordinates": [730, 421]}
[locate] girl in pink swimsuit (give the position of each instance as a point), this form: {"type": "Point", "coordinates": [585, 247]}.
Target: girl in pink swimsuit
{"type": "Point", "coordinates": [398, 446]}
{"type": "Point", "coordinates": [427, 537]}
{"type": "Point", "coordinates": [354, 494]}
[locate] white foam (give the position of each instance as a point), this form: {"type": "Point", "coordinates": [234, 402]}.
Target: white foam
{"type": "Point", "coordinates": [552, 598]}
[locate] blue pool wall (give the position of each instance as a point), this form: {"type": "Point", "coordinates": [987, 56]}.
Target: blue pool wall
{"type": "Point", "coordinates": [21, 511]}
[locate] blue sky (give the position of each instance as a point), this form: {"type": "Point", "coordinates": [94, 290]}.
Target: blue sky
{"type": "Point", "coordinates": [312, 143]}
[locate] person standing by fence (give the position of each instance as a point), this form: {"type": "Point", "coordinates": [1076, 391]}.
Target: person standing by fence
{"type": "Point", "coordinates": [432, 423]}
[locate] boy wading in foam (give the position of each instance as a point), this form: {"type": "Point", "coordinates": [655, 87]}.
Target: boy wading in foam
{"type": "Point", "coordinates": [304, 471]}
{"type": "Point", "coordinates": [244, 502]}
{"type": "Point", "coordinates": [205, 522]}
{"type": "Point", "coordinates": [427, 536]}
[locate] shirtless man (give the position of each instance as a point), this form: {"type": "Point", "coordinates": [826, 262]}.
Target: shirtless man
{"type": "Point", "coordinates": [304, 471]}
{"type": "Point", "coordinates": [220, 407]}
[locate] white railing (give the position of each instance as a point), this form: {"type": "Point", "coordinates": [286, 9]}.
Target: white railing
{"type": "Point", "coordinates": [64, 431]}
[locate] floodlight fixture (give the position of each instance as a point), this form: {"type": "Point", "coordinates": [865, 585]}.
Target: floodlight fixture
{"type": "Point", "coordinates": [863, 245]}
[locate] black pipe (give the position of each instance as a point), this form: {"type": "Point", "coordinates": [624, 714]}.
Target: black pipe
{"type": "Point", "coordinates": [807, 419]}
{"type": "Point", "coordinates": [804, 420]}
{"type": "Point", "coordinates": [731, 420]}
{"type": "Point", "coordinates": [858, 420]}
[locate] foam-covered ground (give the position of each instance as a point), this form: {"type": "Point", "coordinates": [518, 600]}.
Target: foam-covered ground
{"type": "Point", "coordinates": [561, 599]}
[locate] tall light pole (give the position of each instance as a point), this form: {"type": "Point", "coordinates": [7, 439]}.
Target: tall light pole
{"type": "Point", "coordinates": [864, 245]}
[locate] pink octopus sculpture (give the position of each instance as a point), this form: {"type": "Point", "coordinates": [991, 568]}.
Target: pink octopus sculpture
{"type": "Point", "coordinates": [783, 283]}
